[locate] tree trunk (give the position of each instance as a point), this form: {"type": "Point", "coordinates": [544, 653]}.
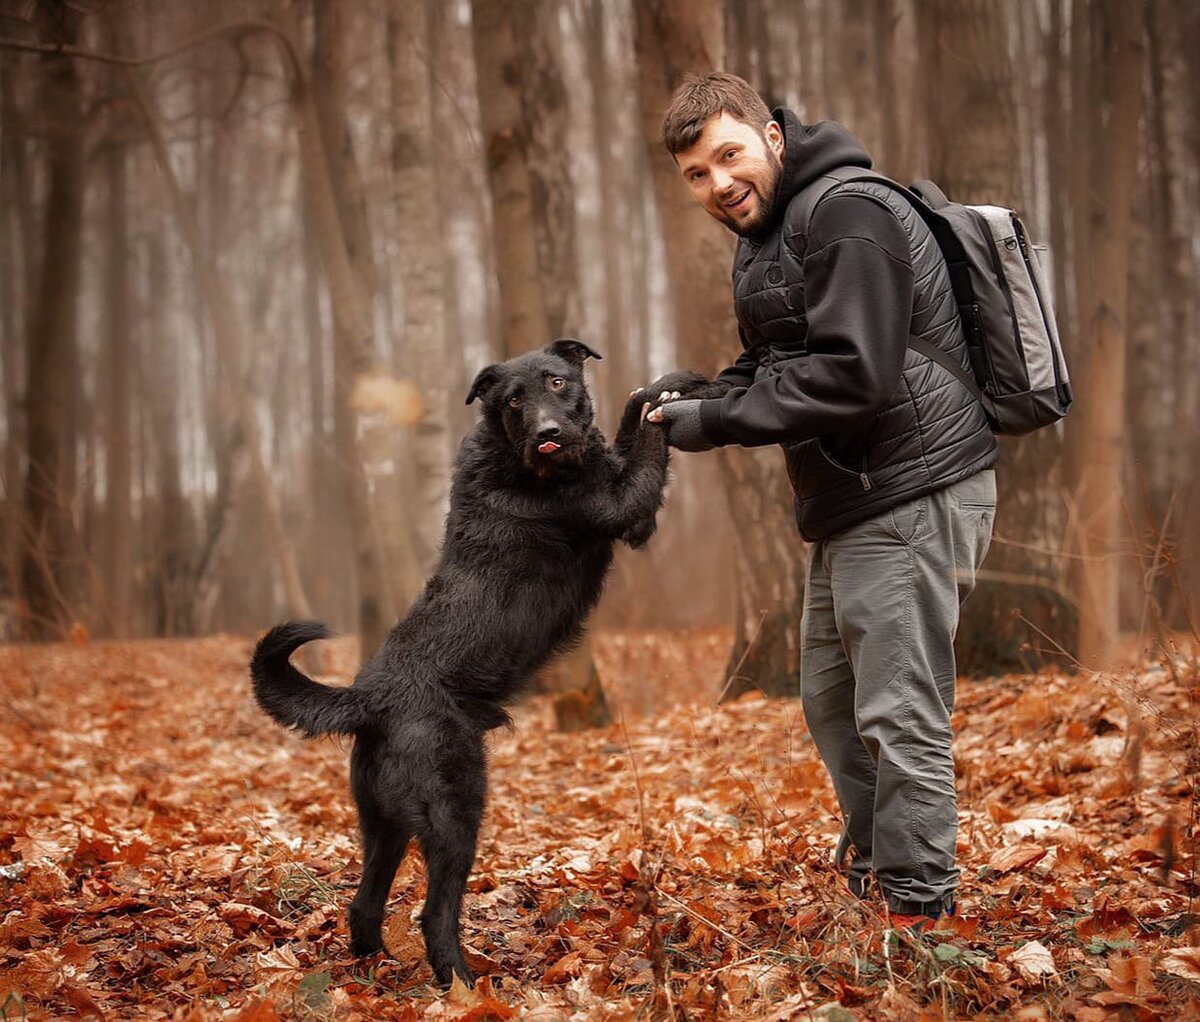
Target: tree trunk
{"type": "Point", "coordinates": [1099, 429]}
{"type": "Point", "coordinates": [50, 340]}
{"type": "Point", "coordinates": [118, 436]}
{"type": "Point", "coordinates": [1055, 107]}
{"type": "Point", "coordinates": [372, 445]}
{"type": "Point", "coordinates": [523, 111]}
{"type": "Point", "coordinates": [15, 278]}
{"type": "Point", "coordinates": [543, 133]}
{"type": "Point", "coordinates": [171, 569]}
{"type": "Point", "coordinates": [355, 357]}
{"type": "Point", "coordinates": [1184, 605]}
{"type": "Point", "coordinates": [673, 37]}
{"type": "Point", "coordinates": [327, 519]}
{"type": "Point", "coordinates": [523, 319]}
{"type": "Point", "coordinates": [1165, 315]}
{"type": "Point", "coordinates": [420, 230]}
{"type": "Point", "coordinates": [615, 199]}
{"type": "Point", "coordinates": [971, 111]}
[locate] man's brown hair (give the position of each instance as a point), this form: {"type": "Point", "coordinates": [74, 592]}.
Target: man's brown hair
{"type": "Point", "coordinates": [699, 98]}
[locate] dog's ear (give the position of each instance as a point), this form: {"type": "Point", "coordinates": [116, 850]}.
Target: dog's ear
{"type": "Point", "coordinates": [572, 350]}
{"type": "Point", "coordinates": [485, 380]}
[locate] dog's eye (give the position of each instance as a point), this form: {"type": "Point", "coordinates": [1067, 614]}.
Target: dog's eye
{"type": "Point", "coordinates": [557, 383]}
{"type": "Point", "coordinates": [514, 402]}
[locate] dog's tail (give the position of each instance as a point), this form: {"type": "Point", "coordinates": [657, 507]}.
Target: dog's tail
{"type": "Point", "coordinates": [293, 698]}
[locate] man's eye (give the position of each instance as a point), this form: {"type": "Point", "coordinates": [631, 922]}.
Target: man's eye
{"type": "Point", "coordinates": [514, 402]}
{"type": "Point", "coordinates": [557, 383]}
{"type": "Point", "coordinates": [730, 154]}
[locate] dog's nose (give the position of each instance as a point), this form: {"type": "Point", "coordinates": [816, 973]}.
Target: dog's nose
{"type": "Point", "coordinates": [549, 430]}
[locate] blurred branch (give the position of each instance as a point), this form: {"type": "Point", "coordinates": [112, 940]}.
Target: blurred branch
{"type": "Point", "coordinates": [238, 29]}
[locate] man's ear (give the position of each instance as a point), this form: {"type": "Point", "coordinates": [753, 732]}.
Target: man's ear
{"type": "Point", "coordinates": [485, 380]}
{"type": "Point", "coordinates": [773, 135]}
{"type": "Point", "coordinates": [572, 350]}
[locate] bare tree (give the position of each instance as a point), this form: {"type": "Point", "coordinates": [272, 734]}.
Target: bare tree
{"type": "Point", "coordinates": [118, 420]}
{"type": "Point", "coordinates": [1112, 80]}
{"type": "Point", "coordinates": [971, 111]}
{"type": "Point", "coordinates": [420, 230]}
{"type": "Point", "coordinates": [355, 355]}
{"type": "Point", "coordinates": [674, 37]}
{"type": "Point", "coordinates": [522, 310]}
{"type": "Point", "coordinates": [50, 336]}
{"type": "Point", "coordinates": [522, 102]}
{"type": "Point", "coordinates": [15, 278]}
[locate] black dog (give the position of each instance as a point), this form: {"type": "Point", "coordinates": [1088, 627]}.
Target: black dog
{"type": "Point", "coordinates": [537, 502]}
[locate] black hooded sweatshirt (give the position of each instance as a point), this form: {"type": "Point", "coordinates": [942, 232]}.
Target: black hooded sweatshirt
{"type": "Point", "coordinates": [825, 320]}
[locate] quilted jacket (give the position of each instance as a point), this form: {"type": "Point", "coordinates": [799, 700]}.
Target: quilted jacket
{"type": "Point", "coordinates": [865, 423]}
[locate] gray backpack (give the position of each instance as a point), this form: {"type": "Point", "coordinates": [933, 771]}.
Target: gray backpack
{"type": "Point", "coordinates": [1018, 371]}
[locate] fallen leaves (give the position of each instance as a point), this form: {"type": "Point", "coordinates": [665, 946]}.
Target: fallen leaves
{"type": "Point", "coordinates": [1034, 963]}
{"type": "Point", "coordinates": [1183, 963]}
{"type": "Point", "coordinates": [1017, 857]}
{"type": "Point", "coordinates": [167, 854]}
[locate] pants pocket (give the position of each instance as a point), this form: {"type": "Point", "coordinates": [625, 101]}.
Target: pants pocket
{"type": "Point", "coordinates": [907, 521]}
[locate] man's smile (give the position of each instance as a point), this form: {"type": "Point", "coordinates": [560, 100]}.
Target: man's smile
{"type": "Point", "coordinates": [740, 201]}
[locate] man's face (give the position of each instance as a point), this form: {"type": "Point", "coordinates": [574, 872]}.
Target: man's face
{"type": "Point", "coordinates": [733, 171]}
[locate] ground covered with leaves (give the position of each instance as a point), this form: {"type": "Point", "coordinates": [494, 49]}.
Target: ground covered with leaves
{"type": "Point", "coordinates": [168, 853]}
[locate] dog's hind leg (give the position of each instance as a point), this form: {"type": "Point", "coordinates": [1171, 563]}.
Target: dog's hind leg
{"type": "Point", "coordinates": [384, 844]}
{"type": "Point", "coordinates": [449, 848]}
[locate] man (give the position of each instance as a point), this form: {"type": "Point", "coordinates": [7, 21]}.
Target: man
{"type": "Point", "coordinates": [889, 456]}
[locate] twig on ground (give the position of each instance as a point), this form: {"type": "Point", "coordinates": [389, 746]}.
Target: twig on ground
{"type": "Point", "coordinates": [735, 675]}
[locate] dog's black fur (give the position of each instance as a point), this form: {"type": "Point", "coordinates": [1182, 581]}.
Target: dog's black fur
{"type": "Point", "coordinates": [528, 541]}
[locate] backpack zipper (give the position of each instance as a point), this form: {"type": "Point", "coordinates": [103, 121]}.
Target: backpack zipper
{"type": "Point", "coordinates": [998, 269]}
{"type": "Point", "coordinates": [1050, 331]}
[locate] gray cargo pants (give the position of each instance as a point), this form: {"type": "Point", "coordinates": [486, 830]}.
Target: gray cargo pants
{"type": "Point", "coordinates": [877, 677]}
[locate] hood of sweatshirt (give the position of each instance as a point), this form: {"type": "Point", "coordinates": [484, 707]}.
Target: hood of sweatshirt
{"type": "Point", "coordinates": [809, 150]}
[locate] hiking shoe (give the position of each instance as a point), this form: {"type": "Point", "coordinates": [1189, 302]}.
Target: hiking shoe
{"type": "Point", "coordinates": [913, 924]}
{"type": "Point", "coordinates": [919, 922]}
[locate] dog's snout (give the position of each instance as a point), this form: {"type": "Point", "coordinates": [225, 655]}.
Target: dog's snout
{"type": "Point", "coordinates": [548, 429]}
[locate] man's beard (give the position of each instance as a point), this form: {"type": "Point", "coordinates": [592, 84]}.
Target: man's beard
{"type": "Point", "coordinates": [751, 226]}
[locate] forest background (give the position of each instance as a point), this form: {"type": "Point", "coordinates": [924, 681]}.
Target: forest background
{"type": "Point", "coordinates": [251, 255]}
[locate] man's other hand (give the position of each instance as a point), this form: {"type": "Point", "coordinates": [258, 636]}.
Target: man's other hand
{"type": "Point", "coordinates": [655, 399]}
{"type": "Point", "coordinates": [682, 422]}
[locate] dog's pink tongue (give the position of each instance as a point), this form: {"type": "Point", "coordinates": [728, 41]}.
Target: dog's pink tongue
{"type": "Point", "coordinates": [549, 447]}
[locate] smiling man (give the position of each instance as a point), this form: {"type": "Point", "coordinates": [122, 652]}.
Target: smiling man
{"type": "Point", "coordinates": [888, 453]}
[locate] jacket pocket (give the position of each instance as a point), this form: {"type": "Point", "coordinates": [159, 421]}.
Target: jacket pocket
{"type": "Point", "coordinates": [859, 475]}
{"type": "Point", "coordinates": [816, 475]}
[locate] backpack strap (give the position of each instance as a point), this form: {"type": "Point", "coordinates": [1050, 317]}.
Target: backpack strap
{"type": "Point", "coordinates": [813, 192]}
{"type": "Point", "coordinates": [926, 198]}
{"type": "Point", "coordinates": [951, 365]}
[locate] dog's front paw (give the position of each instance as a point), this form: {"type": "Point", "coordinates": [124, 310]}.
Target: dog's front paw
{"type": "Point", "coordinates": [681, 383]}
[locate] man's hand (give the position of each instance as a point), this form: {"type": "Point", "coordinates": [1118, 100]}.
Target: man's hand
{"type": "Point", "coordinates": [682, 422]}
{"type": "Point", "coordinates": [653, 400]}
